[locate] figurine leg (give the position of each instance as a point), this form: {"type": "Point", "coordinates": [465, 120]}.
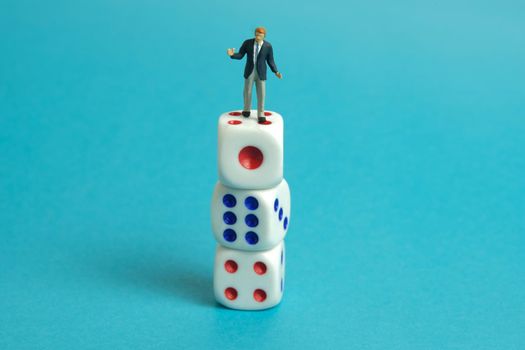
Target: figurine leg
{"type": "Point", "coordinates": [260, 85]}
{"type": "Point", "coordinates": [248, 84]}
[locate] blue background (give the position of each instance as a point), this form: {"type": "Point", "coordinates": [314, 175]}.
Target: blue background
{"type": "Point", "coordinates": [404, 150]}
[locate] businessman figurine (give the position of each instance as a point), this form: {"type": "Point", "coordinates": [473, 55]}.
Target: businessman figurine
{"type": "Point", "coordinates": [259, 52]}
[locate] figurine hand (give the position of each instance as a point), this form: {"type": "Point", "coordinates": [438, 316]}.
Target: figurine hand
{"type": "Point", "coordinates": [230, 52]}
{"type": "Point", "coordinates": [279, 75]}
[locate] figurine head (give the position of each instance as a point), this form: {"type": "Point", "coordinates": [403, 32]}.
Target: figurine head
{"type": "Point", "coordinates": [260, 33]}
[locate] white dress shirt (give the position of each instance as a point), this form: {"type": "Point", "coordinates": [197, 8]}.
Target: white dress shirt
{"type": "Point", "coordinates": [255, 52]}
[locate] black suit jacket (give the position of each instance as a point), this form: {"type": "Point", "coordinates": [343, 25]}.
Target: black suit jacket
{"type": "Point", "coordinates": [265, 55]}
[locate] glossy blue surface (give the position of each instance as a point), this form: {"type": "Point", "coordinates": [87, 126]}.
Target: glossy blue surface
{"type": "Point", "coordinates": [404, 151]}
{"type": "Point", "coordinates": [229, 218]}
{"type": "Point", "coordinates": [229, 200]}
{"type": "Point", "coordinates": [251, 220]}
{"type": "Point", "coordinates": [251, 203]}
{"type": "Point", "coordinates": [229, 235]}
{"type": "Point", "coordinates": [251, 237]}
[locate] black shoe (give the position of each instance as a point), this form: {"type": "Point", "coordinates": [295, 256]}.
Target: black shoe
{"type": "Point", "coordinates": [245, 114]}
{"type": "Point", "coordinates": [262, 120]}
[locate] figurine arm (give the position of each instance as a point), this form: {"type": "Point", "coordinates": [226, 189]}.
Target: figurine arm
{"type": "Point", "coordinates": [242, 51]}
{"type": "Point", "coordinates": [271, 63]}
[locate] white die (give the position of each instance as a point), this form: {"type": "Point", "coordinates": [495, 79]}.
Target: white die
{"type": "Point", "coordinates": [249, 280]}
{"type": "Point", "coordinates": [250, 219]}
{"type": "Point", "coordinates": [250, 154]}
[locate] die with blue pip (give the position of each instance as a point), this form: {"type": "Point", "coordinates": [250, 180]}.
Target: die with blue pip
{"type": "Point", "coordinates": [250, 212]}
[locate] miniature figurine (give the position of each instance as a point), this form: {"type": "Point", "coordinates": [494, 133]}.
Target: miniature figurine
{"type": "Point", "coordinates": [259, 52]}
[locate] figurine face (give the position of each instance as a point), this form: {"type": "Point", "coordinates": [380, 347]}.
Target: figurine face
{"type": "Point", "coordinates": [259, 36]}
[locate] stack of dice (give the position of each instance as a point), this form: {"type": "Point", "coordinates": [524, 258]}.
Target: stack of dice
{"type": "Point", "coordinates": [250, 212]}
